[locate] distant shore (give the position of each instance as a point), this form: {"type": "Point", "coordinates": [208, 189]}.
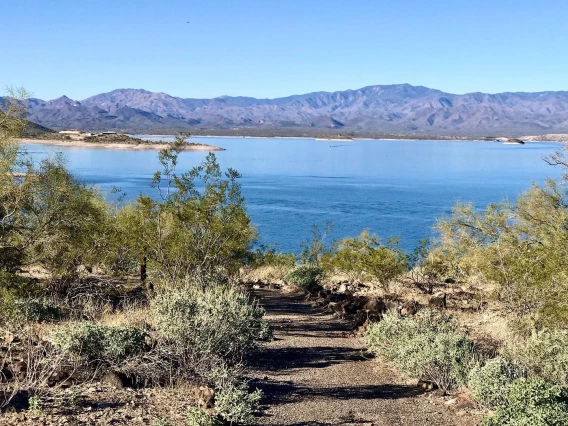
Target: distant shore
{"type": "Point", "coordinates": [118, 145]}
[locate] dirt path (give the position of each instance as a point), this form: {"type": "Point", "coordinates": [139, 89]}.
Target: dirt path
{"type": "Point", "coordinates": [316, 373]}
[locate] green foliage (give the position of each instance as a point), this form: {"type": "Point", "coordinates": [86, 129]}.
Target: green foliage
{"type": "Point", "coordinates": [200, 230]}
{"type": "Point", "coordinates": [198, 417]}
{"type": "Point", "coordinates": [428, 347]}
{"type": "Point", "coordinates": [268, 256]}
{"type": "Point", "coordinates": [316, 251]}
{"type": "Point", "coordinates": [218, 322]}
{"type": "Point", "coordinates": [428, 267]}
{"type": "Point", "coordinates": [12, 288]}
{"type": "Point", "coordinates": [96, 342]}
{"type": "Point", "coordinates": [521, 247]}
{"type": "Point", "coordinates": [544, 353]}
{"type": "Point", "coordinates": [304, 277]}
{"type": "Point", "coordinates": [532, 402]}
{"type": "Point", "coordinates": [35, 405]}
{"type": "Point", "coordinates": [236, 405]}
{"type": "Point", "coordinates": [38, 310]}
{"type": "Point", "coordinates": [364, 257]}
{"type": "Point", "coordinates": [491, 382]}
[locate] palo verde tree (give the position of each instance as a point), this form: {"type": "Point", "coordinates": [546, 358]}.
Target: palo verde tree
{"type": "Point", "coordinates": [47, 217]}
{"type": "Point", "coordinates": [198, 231]}
{"type": "Point", "coordinates": [522, 247]}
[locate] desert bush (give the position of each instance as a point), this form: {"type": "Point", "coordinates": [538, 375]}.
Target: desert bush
{"type": "Point", "coordinates": [521, 247]}
{"type": "Point", "coordinates": [544, 353]}
{"type": "Point", "coordinates": [318, 249]}
{"type": "Point", "coordinates": [236, 405]}
{"type": "Point", "coordinates": [428, 267]}
{"type": "Point", "coordinates": [38, 310]}
{"type": "Point", "coordinates": [428, 347]}
{"type": "Point", "coordinates": [198, 417]}
{"type": "Point", "coordinates": [268, 256]}
{"type": "Point", "coordinates": [215, 322]}
{"type": "Point", "coordinates": [532, 402]}
{"type": "Point", "coordinates": [12, 288]}
{"type": "Point", "coordinates": [96, 342]}
{"type": "Point", "coordinates": [304, 277]}
{"type": "Point", "coordinates": [491, 382]}
{"type": "Point", "coordinates": [365, 257]}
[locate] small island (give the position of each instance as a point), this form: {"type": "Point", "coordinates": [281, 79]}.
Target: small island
{"type": "Point", "coordinates": [107, 140]}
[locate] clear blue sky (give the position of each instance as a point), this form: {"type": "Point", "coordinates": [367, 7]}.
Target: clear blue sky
{"type": "Point", "coordinates": [270, 48]}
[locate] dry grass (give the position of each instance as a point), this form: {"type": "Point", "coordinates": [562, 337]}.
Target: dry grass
{"type": "Point", "coordinates": [267, 274]}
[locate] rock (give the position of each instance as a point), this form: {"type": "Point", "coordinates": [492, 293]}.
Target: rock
{"type": "Point", "coordinates": [375, 306]}
{"type": "Point", "coordinates": [19, 369]}
{"type": "Point", "coordinates": [205, 397]}
{"type": "Point", "coordinates": [391, 306]}
{"type": "Point", "coordinates": [336, 308]}
{"type": "Point", "coordinates": [360, 319]}
{"type": "Point", "coordinates": [342, 288]}
{"type": "Point", "coordinates": [391, 296]}
{"type": "Point", "coordinates": [438, 300]}
{"type": "Point", "coordinates": [410, 307]}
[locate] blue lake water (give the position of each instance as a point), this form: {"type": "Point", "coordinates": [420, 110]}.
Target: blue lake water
{"type": "Point", "coordinates": [396, 188]}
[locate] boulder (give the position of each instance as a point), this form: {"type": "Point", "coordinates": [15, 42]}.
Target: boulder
{"type": "Point", "coordinates": [410, 307]}
{"type": "Point", "coordinates": [374, 305]}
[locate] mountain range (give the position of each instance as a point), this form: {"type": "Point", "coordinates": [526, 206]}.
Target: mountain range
{"type": "Point", "coordinates": [393, 109]}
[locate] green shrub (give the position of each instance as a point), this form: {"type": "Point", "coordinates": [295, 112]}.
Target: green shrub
{"type": "Point", "coordinates": [267, 256]}
{"type": "Point", "coordinates": [428, 347]}
{"type": "Point", "coordinates": [236, 405]}
{"type": "Point", "coordinates": [35, 405]}
{"type": "Point", "coordinates": [215, 322]}
{"type": "Point", "coordinates": [532, 402]}
{"type": "Point", "coordinates": [38, 310]}
{"type": "Point", "coordinates": [364, 257]}
{"type": "Point", "coordinates": [490, 383]}
{"type": "Point", "coordinates": [305, 277]}
{"type": "Point", "coordinates": [198, 417]}
{"type": "Point", "coordinates": [96, 342]}
{"type": "Point", "coordinates": [12, 288]}
{"type": "Point", "coordinates": [545, 354]}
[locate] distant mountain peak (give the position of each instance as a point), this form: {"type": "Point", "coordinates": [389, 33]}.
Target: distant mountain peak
{"type": "Point", "coordinates": [389, 109]}
{"type": "Point", "coordinates": [62, 101]}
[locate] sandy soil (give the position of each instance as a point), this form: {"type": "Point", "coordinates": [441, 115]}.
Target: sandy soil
{"type": "Point", "coordinates": [316, 372]}
{"type": "Point", "coordinates": [120, 146]}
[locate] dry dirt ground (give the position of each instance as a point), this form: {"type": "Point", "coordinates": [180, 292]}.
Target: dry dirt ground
{"type": "Point", "coordinates": [316, 372]}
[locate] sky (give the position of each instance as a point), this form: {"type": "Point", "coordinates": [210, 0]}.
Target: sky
{"type": "Point", "coordinates": [274, 48]}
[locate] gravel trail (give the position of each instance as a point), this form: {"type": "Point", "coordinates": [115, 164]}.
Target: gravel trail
{"type": "Point", "coordinates": [316, 372]}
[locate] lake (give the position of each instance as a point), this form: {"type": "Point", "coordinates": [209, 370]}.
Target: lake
{"type": "Point", "coordinates": [393, 188]}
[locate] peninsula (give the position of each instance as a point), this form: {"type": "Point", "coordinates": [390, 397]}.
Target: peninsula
{"type": "Point", "coordinates": [107, 140]}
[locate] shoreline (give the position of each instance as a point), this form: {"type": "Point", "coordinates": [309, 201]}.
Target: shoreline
{"type": "Point", "coordinates": [118, 145]}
